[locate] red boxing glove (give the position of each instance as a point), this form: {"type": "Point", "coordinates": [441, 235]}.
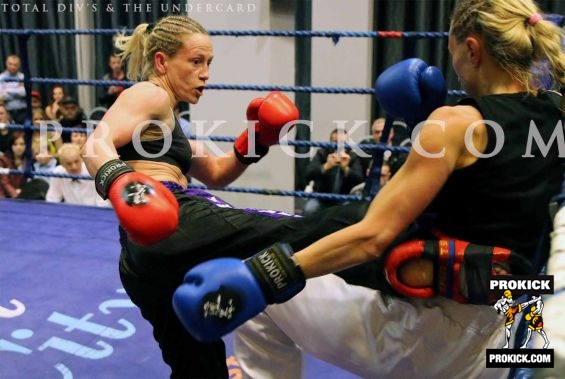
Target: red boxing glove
{"type": "Point", "coordinates": [461, 269]}
{"type": "Point", "coordinates": [272, 114]}
{"type": "Point", "coordinates": [146, 209]}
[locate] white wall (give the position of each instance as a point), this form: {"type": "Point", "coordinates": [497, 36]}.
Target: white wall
{"type": "Point", "coordinates": [270, 61]}
{"type": "Point", "coordinates": [345, 64]}
{"type": "Point", "coordinates": [249, 60]}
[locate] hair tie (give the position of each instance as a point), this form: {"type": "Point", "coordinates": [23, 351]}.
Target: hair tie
{"type": "Point", "coordinates": [534, 18]}
{"type": "Point", "coordinates": [150, 27]}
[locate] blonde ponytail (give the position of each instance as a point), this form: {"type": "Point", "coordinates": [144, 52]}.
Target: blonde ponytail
{"type": "Point", "coordinates": [133, 51]}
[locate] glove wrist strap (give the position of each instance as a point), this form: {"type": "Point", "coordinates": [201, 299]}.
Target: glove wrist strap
{"type": "Point", "coordinates": [241, 149]}
{"type": "Point", "coordinates": [278, 274]}
{"type": "Point", "coordinates": [107, 173]}
{"type": "Point", "coordinates": [260, 152]}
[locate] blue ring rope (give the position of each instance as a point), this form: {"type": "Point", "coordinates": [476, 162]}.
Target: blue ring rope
{"type": "Point", "coordinates": [236, 87]}
{"type": "Point", "coordinates": [334, 35]}
{"type": "Point", "coordinates": [259, 191]}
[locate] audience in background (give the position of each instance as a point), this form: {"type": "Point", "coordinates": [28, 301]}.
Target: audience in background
{"type": "Point", "coordinates": [72, 116]}
{"type": "Point", "coordinates": [5, 133]}
{"type": "Point", "coordinates": [107, 95]}
{"type": "Point", "coordinates": [44, 141]}
{"type": "Point", "coordinates": [14, 159]}
{"type": "Point", "coordinates": [13, 92]}
{"type": "Point", "coordinates": [36, 102]}
{"type": "Point", "coordinates": [386, 174]}
{"type": "Point", "coordinates": [376, 135]}
{"type": "Point", "coordinates": [44, 164]}
{"type": "Point", "coordinates": [44, 147]}
{"type": "Point", "coordinates": [73, 191]}
{"type": "Point", "coordinates": [78, 138]}
{"type": "Point", "coordinates": [333, 171]}
{"type": "Point", "coordinates": [52, 109]}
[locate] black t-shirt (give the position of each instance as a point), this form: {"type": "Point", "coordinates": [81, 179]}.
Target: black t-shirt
{"type": "Point", "coordinates": [503, 200]}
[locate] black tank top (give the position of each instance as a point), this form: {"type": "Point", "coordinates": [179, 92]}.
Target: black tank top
{"type": "Point", "coordinates": [503, 200]}
{"type": "Point", "coordinates": [178, 154]}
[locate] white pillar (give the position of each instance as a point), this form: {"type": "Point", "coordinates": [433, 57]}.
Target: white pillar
{"type": "Point", "coordinates": [84, 45]}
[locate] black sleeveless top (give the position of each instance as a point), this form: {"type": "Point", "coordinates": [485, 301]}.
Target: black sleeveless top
{"type": "Point", "coordinates": [177, 154]}
{"type": "Point", "coordinates": [503, 200]}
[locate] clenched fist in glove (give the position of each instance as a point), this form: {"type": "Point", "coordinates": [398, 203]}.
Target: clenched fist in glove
{"type": "Point", "coordinates": [271, 114]}
{"type": "Point", "coordinates": [146, 209]}
{"type": "Point", "coordinates": [219, 295]}
{"type": "Point", "coordinates": [410, 90]}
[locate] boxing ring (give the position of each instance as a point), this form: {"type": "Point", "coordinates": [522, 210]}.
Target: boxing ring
{"type": "Point", "coordinates": [63, 311]}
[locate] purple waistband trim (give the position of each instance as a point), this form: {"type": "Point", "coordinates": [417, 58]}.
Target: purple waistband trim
{"type": "Point", "coordinates": [218, 202]}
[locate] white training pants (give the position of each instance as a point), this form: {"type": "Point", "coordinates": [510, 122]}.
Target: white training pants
{"type": "Point", "coordinates": [370, 335]}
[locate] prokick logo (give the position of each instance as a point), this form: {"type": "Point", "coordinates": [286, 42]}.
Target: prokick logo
{"type": "Point", "coordinates": [508, 289]}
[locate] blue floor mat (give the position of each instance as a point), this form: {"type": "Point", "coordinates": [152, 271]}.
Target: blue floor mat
{"type": "Point", "coordinates": [63, 312]}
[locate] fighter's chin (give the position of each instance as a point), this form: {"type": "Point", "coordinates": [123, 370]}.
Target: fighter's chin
{"type": "Point", "coordinates": [195, 97]}
{"type": "Point", "coordinates": [191, 99]}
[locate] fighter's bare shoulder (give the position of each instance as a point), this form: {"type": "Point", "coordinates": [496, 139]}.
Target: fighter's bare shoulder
{"type": "Point", "coordinates": [146, 97]}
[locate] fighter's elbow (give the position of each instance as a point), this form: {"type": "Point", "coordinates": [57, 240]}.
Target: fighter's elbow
{"type": "Point", "coordinates": [373, 241]}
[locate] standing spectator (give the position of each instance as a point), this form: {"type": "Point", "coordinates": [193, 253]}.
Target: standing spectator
{"type": "Point", "coordinates": [13, 93]}
{"type": "Point", "coordinates": [11, 184]}
{"type": "Point", "coordinates": [5, 133]}
{"type": "Point", "coordinates": [333, 171]}
{"type": "Point", "coordinates": [52, 109]}
{"type": "Point", "coordinates": [109, 94]}
{"type": "Point", "coordinates": [72, 191]}
{"type": "Point", "coordinates": [72, 116]}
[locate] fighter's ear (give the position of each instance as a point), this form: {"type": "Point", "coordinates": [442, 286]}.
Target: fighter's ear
{"type": "Point", "coordinates": [160, 60]}
{"type": "Point", "coordinates": [474, 50]}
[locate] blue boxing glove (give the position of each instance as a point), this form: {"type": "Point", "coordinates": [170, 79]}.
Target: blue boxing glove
{"type": "Point", "coordinates": [219, 295]}
{"type": "Point", "coordinates": [411, 90]}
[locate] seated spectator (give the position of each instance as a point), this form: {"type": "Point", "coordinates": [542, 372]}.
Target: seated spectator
{"type": "Point", "coordinates": [44, 164]}
{"type": "Point", "coordinates": [34, 189]}
{"type": "Point", "coordinates": [13, 92]}
{"type": "Point", "coordinates": [52, 109]}
{"type": "Point", "coordinates": [14, 159]}
{"type": "Point", "coordinates": [78, 138]}
{"type": "Point", "coordinates": [73, 191]}
{"type": "Point", "coordinates": [36, 102]}
{"type": "Point", "coordinates": [386, 174]}
{"type": "Point", "coordinates": [376, 135]}
{"type": "Point", "coordinates": [51, 142]}
{"type": "Point", "coordinates": [72, 116]}
{"type": "Point", "coordinates": [333, 171]}
{"type": "Point", "coordinates": [398, 129]}
{"type": "Point", "coordinates": [5, 133]}
{"type": "Point", "coordinates": [107, 95]}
